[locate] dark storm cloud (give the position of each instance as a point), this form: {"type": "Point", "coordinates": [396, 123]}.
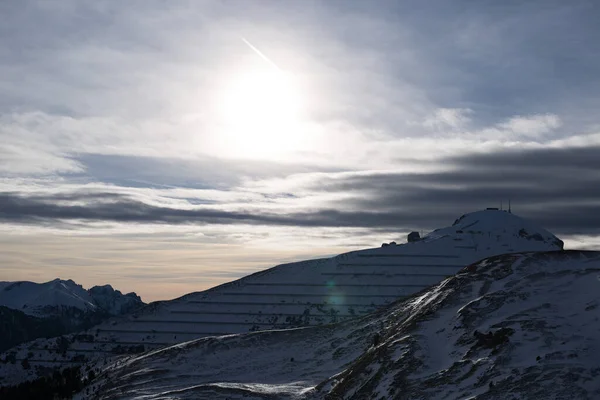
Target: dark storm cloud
{"type": "Point", "coordinates": [558, 188]}
{"type": "Point", "coordinates": [530, 179]}
{"type": "Point", "coordinates": [584, 158]}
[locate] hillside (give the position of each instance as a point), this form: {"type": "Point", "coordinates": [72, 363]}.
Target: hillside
{"type": "Point", "coordinates": [17, 327]}
{"type": "Point", "coordinates": [515, 326]}
{"type": "Point", "coordinates": [293, 295]}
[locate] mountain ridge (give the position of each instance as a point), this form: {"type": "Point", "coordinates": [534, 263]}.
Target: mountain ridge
{"type": "Point", "coordinates": [300, 294]}
{"type": "Point", "coordinates": [39, 299]}
{"type": "Point", "coordinates": [500, 328]}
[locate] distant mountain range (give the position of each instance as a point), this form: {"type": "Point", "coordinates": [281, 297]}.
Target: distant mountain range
{"type": "Point", "coordinates": [367, 300]}
{"type": "Point", "coordinates": [31, 310]}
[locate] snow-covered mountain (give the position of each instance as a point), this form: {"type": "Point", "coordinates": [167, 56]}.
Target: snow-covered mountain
{"type": "Point", "coordinates": [518, 326]}
{"type": "Point", "coordinates": [32, 310]}
{"type": "Point", "coordinates": [334, 289]}
{"type": "Point", "coordinates": [50, 298]}
{"type": "Point", "coordinates": [300, 294]}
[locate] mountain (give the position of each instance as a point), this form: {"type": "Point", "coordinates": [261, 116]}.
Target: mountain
{"type": "Point", "coordinates": [293, 295]}
{"type": "Point", "coordinates": [113, 301]}
{"type": "Point", "coordinates": [516, 326]}
{"type": "Point", "coordinates": [333, 289]}
{"type": "Point", "coordinates": [31, 310]}
{"type": "Point", "coordinates": [50, 298]}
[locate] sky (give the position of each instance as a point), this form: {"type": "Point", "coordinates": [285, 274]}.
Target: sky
{"type": "Point", "coordinates": [167, 147]}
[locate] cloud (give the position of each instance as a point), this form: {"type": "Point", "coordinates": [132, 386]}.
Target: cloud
{"type": "Point", "coordinates": [556, 187]}
{"type": "Point", "coordinates": [531, 129]}
{"type": "Point", "coordinates": [199, 172]}
{"type": "Point", "coordinates": [159, 62]}
{"type": "Point", "coordinates": [532, 126]}
{"type": "Point", "coordinates": [146, 87]}
{"type": "Point", "coordinates": [449, 118]}
{"type": "Point", "coordinates": [119, 209]}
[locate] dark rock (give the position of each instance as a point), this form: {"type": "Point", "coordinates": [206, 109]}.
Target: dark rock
{"type": "Point", "coordinates": [413, 237]}
{"type": "Point", "coordinates": [491, 339]}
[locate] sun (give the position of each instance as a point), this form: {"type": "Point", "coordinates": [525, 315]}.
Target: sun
{"type": "Point", "coordinates": [259, 110]}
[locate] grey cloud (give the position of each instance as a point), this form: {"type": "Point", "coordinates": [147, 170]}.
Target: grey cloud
{"type": "Point", "coordinates": [584, 158]}
{"type": "Point", "coordinates": [549, 171]}
{"type": "Point", "coordinates": [16, 208]}
{"type": "Point", "coordinates": [558, 188]}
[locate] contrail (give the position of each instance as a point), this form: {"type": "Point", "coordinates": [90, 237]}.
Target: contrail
{"type": "Point", "coordinates": [257, 51]}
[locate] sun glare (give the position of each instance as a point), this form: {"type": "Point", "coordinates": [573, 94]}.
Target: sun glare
{"type": "Point", "coordinates": [259, 110]}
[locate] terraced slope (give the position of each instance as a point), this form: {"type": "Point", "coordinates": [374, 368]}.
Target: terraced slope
{"type": "Point", "coordinates": [520, 326]}
{"type": "Point", "coordinates": [335, 289]}
{"type": "Point", "coordinates": [304, 293]}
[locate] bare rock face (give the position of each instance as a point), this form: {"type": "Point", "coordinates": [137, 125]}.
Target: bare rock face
{"type": "Point", "coordinates": [113, 301]}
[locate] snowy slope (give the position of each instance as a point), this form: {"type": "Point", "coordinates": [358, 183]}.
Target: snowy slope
{"type": "Point", "coordinates": [305, 293]}
{"type": "Point", "coordinates": [538, 315]}
{"type": "Point", "coordinates": [334, 289]}
{"type": "Point", "coordinates": [542, 311]}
